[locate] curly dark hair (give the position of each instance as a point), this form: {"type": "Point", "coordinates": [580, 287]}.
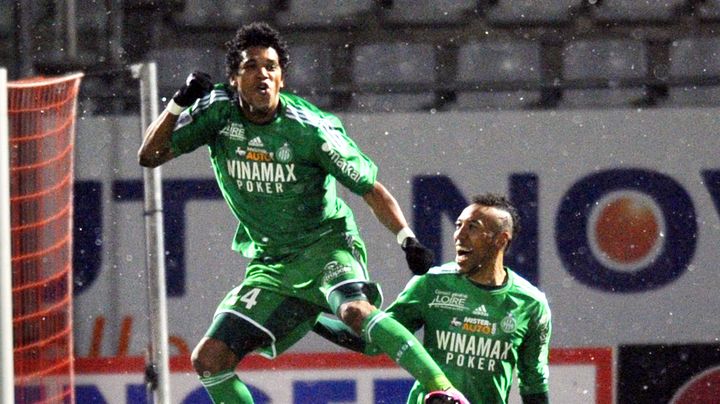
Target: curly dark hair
{"type": "Point", "coordinates": [254, 34]}
{"type": "Point", "coordinates": [502, 203]}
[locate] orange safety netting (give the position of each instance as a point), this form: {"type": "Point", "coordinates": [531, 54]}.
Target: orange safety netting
{"type": "Point", "coordinates": [42, 134]}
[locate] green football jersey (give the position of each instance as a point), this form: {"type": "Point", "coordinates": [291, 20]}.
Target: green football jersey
{"type": "Point", "coordinates": [478, 336]}
{"type": "Point", "coordinates": [279, 178]}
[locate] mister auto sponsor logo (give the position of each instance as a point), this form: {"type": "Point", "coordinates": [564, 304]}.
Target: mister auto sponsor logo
{"type": "Point", "coordinates": [258, 156]}
{"type": "Point", "coordinates": [474, 325]}
{"type": "Point", "coordinates": [448, 300]}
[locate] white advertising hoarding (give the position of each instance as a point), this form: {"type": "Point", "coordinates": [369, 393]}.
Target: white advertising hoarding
{"type": "Point", "coordinates": [620, 210]}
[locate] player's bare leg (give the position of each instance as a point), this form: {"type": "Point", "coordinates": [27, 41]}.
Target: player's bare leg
{"type": "Point", "coordinates": [390, 337]}
{"type": "Point", "coordinates": [215, 364]}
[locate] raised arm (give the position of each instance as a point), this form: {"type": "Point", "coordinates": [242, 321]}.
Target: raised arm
{"type": "Point", "coordinates": [385, 207]}
{"type": "Point", "coordinates": [155, 149]}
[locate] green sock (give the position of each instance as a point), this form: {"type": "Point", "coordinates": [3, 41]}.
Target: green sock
{"type": "Point", "coordinates": [400, 345]}
{"type": "Point", "coordinates": [226, 388]}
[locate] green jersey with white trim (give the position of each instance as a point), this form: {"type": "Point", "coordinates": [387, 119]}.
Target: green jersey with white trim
{"type": "Point", "coordinates": [479, 335]}
{"type": "Point", "coordinates": [279, 178]}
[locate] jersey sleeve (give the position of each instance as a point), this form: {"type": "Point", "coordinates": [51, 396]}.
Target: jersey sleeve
{"type": "Point", "coordinates": [533, 370]}
{"type": "Point", "coordinates": [343, 159]}
{"type": "Point", "coordinates": [196, 126]}
{"type": "Point", "coordinates": [407, 308]}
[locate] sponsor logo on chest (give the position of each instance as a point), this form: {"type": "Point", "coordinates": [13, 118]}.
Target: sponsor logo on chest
{"type": "Point", "coordinates": [258, 170]}
{"type": "Point", "coordinates": [448, 300]}
{"type": "Point", "coordinates": [474, 325]}
{"type": "Point", "coordinates": [234, 130]}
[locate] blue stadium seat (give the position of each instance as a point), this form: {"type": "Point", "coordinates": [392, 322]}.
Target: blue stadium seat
{"type": "Point", "coordinates": [487, 61]}
{"type": "Point", "coordinates": [310, 69]}
{"type": "Point", "coordinates": [228, 13]}
{"type": "Point", "coordinates": [318, 13]}
{"type": "Point", "coordinates": [604, 59]}
{"type": "Point", "coordinates": [695, 57]}
{"type": "Point", "coordinates": [498, 61]}
{"type": "Point", "coordinates": [309, 65]}
{"type": "Point", "coordinates": [433, 12]}
{"type": "Point", "coordinates": [391, 64]}
{"type": "Point", "coordinates": [637, 10]}
{"type": "Point", "coordinates": [607, 61]}
{"type": "Point", "coordinates": [530, 11]}
{"type": "Point", "coordinates": [394, 62]}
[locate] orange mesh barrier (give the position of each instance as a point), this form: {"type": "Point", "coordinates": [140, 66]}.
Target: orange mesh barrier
{"type": "Point", "coordinates": [42, 135]}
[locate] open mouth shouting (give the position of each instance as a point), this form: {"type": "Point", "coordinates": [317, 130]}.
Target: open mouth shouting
{"type": "Point", "coordinates": [462, 253]}
{"type": "Point", "coordinates": [263, 89]}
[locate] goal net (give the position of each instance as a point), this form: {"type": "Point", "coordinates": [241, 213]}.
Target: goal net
{"type": "Point", "coordinates": [41, 114]}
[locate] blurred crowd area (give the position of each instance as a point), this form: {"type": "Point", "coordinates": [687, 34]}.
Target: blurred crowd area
{"type": "Point", "coordinates": [388, 55]}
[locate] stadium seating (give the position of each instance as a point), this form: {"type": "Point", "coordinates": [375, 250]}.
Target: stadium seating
{"type": "Point", "coordinates": [530, 11]}
{"type": "Point", "coordinates": [417, 54]}
{"type": "Point", "coordinates": [428, 12]}
{"type": "Point", "coordinates": [379, 70]}
{"type": "Point", "coordinates": [209, 14]}
{"type": "Point", "coordinates": [637, 10]}
{"type": "Point", "coordinates": [595, 64]}
{"type": "Point", "coordinates": [317, 13]}
{"type": "Point", "coordinates": [695, 57]}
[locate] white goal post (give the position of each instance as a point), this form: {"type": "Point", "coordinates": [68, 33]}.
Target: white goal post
{"type": "Point", "coordinates": [158, 369]}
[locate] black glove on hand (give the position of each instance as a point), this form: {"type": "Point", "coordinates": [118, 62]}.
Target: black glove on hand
{"type": "Point", "coordinates": [196, 85]}
{"type": "Point", "coordinates": [419, 258]}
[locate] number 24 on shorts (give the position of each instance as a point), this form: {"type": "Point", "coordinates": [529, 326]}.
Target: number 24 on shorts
{"type": "Point", "coordinates": [250, 298]}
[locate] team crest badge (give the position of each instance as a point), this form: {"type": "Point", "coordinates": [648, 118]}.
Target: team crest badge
{"type": "Point", "coordinates": [284, 154]}
{"type": "Point", "coordinates": [508, 324]}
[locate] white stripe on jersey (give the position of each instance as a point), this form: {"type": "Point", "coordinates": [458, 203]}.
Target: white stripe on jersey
{"type": "Point", "coordinates": [213, 96]}
{"type": "Point", "coordinates": [334, 136]}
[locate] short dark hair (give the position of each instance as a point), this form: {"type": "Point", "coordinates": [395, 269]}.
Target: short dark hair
{"type": "Point", "coordinates": [502, 203]}
{"type": "Point", "coordinates": [254, 34]}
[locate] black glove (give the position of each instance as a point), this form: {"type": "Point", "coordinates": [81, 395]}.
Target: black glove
{"type": "Point", "coordinates": [419, 258]}
{"type": "Point", "coordinates": [196, 85]}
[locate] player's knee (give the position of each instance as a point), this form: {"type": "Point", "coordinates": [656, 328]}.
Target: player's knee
{"type": "Point", "coordinates": [354, 313]}
{"type": "Point", "coordinates": [212, 356]}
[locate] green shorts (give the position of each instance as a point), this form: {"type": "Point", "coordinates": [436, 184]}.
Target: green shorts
{"type": "Point", "coordinates": [283, 296]}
